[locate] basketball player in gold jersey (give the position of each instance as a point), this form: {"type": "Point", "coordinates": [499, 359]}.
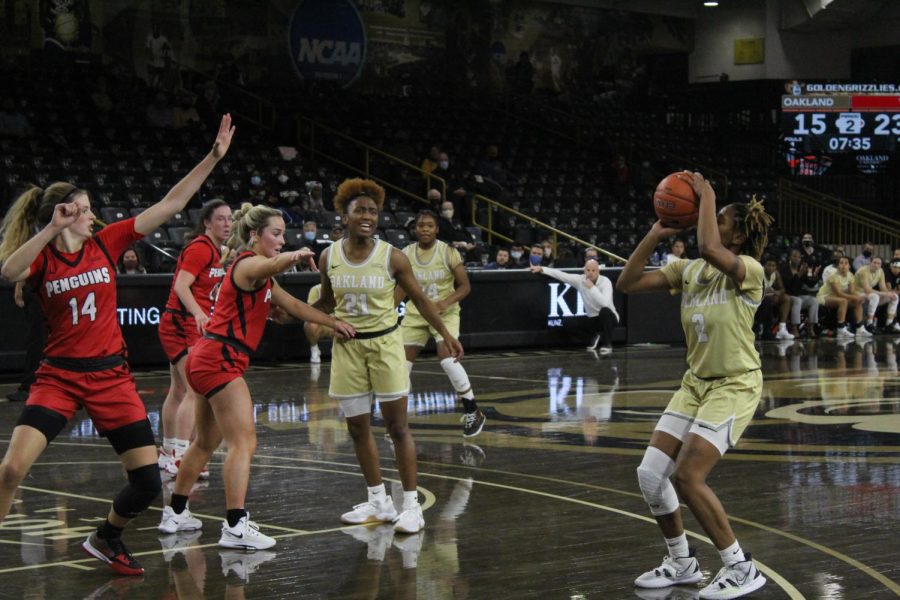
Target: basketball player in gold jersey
{"type": "Point", "coordinates": [719, 392]}
{"type": "Point", "coordinates": [440, 272]}
{"type": "Point", "coordinates": [359, 274]}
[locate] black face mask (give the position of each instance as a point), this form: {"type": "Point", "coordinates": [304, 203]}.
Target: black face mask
{"type": "Point", "coordinates": [807, 243]}
{"type": "Point", "coordinates": [867, 253]}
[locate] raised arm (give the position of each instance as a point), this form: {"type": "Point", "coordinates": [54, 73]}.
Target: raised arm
{"type": "Point", "coordinates": [633, 279]}
{"type": "Point", "coordinates": [712, 250]}
{"type": "Point", "coordinates": [18, 265]}
{"type": "Point", "coordinates": [569, 278]}
{"type": "Point", "coordinates": [184, 190]}
{"type": "Point", "coordinates": [250, 272]}
{"type": "Point", "coordinates": [404, 275]}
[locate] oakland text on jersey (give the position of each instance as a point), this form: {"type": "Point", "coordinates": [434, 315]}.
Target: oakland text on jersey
{"type": "Point", "coordinates": [705, 298]}
{"type": "Point", "coordinates": [64, 284]}
{"type": "Point", "coordinates": [372, 282]}
{"type": "Point", "coordinates": [431, 275]}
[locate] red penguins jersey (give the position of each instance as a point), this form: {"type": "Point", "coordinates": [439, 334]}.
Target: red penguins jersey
{"type": "Point", "coordinates": [239, 314]}
{"type": "Point", "coordinates": [201, 259]}
{"type": "Point", "coordinates": [78, 294]}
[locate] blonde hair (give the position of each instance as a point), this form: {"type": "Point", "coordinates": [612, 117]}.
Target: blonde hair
{"type": "Point", "coordinates": [32, 209]}
{"type": "Point", "coordinates": [753, 221]}
{"type": "Point", "coordinates": [351, 189]}
{"type": "Point", "coordinates": [247, 218]}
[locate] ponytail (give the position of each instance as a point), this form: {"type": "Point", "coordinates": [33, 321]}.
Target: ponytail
{"type": "Point", "coordinates": [246, 219]}
{"type": "Point", "coordinates": [33, 209]}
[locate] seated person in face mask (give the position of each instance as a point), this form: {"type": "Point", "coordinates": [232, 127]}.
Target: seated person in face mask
{"type": "Point", "coordinates": [452, 231]}
{"type": "Point", "coordinates": [517, 257]}
{"type": "Point", "coordinates": [310, 233]}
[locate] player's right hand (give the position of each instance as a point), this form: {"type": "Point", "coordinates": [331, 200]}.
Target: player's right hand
{"type": "Point", "coordinates": [455, 348]}
{"type": "Point", "coordinates": [343, 330]}
{"type": "Point", "coordinates": [64, 215]}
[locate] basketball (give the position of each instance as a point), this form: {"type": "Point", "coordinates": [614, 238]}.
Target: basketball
{"type": "Point", "coordinates": [675, 202]}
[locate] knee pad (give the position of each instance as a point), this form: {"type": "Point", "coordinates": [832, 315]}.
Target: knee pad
{"type": "Point", "coordinates": [144, 485]}
{"type": "Point", "coordinates": [131, 436]}
{"type": "Point", "coordinates": [653, 478]}
{"type": "Point", "coordinates": [459, 379]}
{"type": "Point", "coordinates": [47, 421]}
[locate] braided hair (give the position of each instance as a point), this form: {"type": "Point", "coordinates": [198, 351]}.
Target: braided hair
{"type": "Point", "coordinates": [753, 221]}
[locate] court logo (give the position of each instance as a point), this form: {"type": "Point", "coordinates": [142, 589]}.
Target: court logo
{"type": "Point", "coordinates": [327, 41]}
{"type": "Point", "coordinates": [560, 306]}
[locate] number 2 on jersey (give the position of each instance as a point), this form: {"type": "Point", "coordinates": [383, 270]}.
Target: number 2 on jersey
{"type": "Point", "coordinates": [88, 309]}
{"type": "Point", "coordinates": [357, 304]}
{"type": "Point", "coordinates": [699, 327]}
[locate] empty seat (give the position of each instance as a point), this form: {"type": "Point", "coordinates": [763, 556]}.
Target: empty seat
{"type": "Point", "coordinates": [176, 234]}
{"type": "Point", "coordinates": [111, 214]}
{"type": "Point", "coordinates": [399, 238]}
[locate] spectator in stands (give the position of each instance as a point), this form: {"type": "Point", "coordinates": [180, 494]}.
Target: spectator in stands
{"type": "Point", "coordinates": [523, 74]}
{"type": "Point", "coordinates": [776, 299]}
{"type": "Point", "coordinates": [565, 259]}
{"type": "Point", "coordinates": [337, 233]}
{"type": "Point", "coordinates": [801, 285]}
{"type": "Point", "coordinates": [313, 204]}
{"type": "Point", "coordinates": [517, 257]}
{"type": "Point", "coordinates": [864, 258]}
{"type": "Point", "coordinates": [159, 115]}
{"type": "Point", "coordinates": [677, 251]}
{"type": "Point", "coordinates": [310, 235]}
{"type": "Point", "coordinates": [490, 168]}
{"type": "Point", "coordinates": [456, 190]}
{"type": "Point", "coordinates": [13, 122]}
{"type": "Point", "coordinates": [434, 200]}
{"type": "Point", "coordinates": [430, 162]}
{"type": "Point", "coordinates": [813, 256]}
{"type": "Point", "coordinates": [452, 231]}
{"type": "Point", "coordinates": [130, 263]}
{"type": "Point", "coordinates": [871, 283]}
{"type": "Point", "coordinates": [549, 256]}
{"type": "Point", "coordinates": [597, 293]}
{"type": "Point", "coordinates": [839, 292]}
{"type": "Point", "coordinates": [591, 254]}
{"type": "Point", "coordinates": [536, 257]}
{"type": "Point", "coordinates": [501, 261]}
{"type": "Point", "coordinates": [185, 114]}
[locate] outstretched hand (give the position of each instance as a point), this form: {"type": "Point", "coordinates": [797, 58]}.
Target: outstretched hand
{"type": "Point", "coordinates": [223, 137]}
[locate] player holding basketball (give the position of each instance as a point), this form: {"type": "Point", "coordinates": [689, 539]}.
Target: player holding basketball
{"type": "Point", "coordinates": [196, 281]}
{"type": "Point", "coordinates": [216, 365]}
{"type": "Point", "coordinates": [440, 272]}
{"type": "Point", "coordinates": [84, 364]}
{"type": "Point", "coordinates": [359, 274]}
{"type": "Point", "coordinates": [719, 392]}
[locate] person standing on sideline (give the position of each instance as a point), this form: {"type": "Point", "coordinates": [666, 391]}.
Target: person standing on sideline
{"type": "Point", "coordinates": [597, 293]}
{"type": "Point", "coordinates": [198, 275]}
{"type": "Point", "coordinates": [215, 371]}
{"type": "Point", "coordinates": [441, 274]}
{"type": "Point", "coordinates": [719, 392]}
{"type": "Point", "coordinates": [359, 274]}
{"type": "Point", "coordinates": [35, 338]}
{"type": "Point", "coordinates": [74, 272]}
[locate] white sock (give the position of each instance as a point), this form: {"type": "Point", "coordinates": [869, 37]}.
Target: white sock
{"type": "Point", "coordinates": [377, 491]}
{"type": "Point", "coordinates": [167, 443]}
{"type": "Point", "coordinates": [180, 446]}
{"type": "Point", "coordinates": [782, 326]}
{"type": "Point", "coordinates": [678, 546]}
{"type": "Point", "coordinates": [410, 499]}
{"type": "Point", "coordinates": [732, 554]}
{"type": "Point", "coordinates": [458, 378]}
{"type": "Point", "coordinates": [409, 367]}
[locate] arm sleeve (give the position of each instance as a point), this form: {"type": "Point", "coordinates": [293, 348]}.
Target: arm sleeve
{"type": "Point", "coordinates": [196, 257]}
{"type": "Point", "coordinates": [673, 272]}
{"type": "Point", "coordinates": [116, 237]}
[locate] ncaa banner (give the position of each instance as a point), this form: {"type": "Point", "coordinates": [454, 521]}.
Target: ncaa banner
{"type": "Point", "coordinates": [327, 40]}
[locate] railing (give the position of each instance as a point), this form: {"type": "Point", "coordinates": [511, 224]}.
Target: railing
{"type": "Point", "coordinates": [831, 220]}
{"type": "Point", "coordinates": [555, 233]}
{"type": "Point", "coordinates": [310, 136]}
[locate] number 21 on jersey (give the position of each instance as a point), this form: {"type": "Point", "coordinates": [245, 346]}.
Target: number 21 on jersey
{"type": "Point", "coordinates": [357, 304]}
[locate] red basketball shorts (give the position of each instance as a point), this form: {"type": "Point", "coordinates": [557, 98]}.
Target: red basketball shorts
{"type": "Point", "coordinates": [177, 333]}
{"type": "Point", "coordinates": [212, 365]}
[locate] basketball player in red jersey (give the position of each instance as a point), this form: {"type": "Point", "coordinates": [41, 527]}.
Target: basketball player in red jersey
{"type": "Point", "coordinates": [84, 365]}
{"type": "Point", "coordinates": [216, 365]}
{"type": "Point", "coordinates": [196, 281]}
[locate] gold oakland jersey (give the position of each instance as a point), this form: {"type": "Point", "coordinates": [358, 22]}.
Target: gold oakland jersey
{"type": "Point", "coordinates": [433, 269]}
{"type": "Point", "coordinates": [843, 282]}
{"type": "Point", "coordinates": [875, 280]}
{"type": "Point", "coordinates": [717, 316]}
{"type": "Point", "coordinates": [363, 292]}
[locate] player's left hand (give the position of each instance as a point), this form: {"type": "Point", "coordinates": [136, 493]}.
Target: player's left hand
{"type": "Point", "coordinates": [343, 330]}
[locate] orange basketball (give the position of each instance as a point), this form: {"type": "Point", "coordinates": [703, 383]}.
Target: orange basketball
{"type": "Point", "coordinates": [675, 202]}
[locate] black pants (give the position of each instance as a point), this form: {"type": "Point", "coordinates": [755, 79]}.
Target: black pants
{"type": "Point", "coordinates": [602, 324]}
{"type": "Point", "coordinates": [36, 338]}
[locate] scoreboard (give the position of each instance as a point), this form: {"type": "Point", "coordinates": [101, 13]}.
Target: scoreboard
{"type": "Point", "coordinates": [836, 118]}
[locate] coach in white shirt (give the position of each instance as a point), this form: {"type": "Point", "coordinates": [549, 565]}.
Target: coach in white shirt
{"type": "Point", "coordinates": [597, 293]}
